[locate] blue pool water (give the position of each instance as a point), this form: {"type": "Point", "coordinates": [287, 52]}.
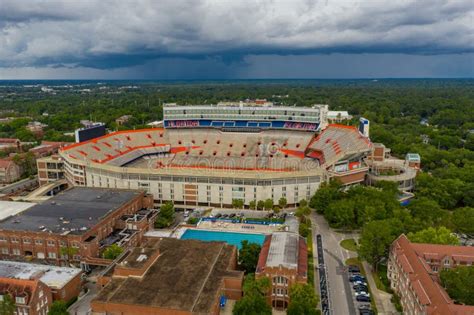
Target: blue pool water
{"type": "Point", "coordinates": [228, 237]}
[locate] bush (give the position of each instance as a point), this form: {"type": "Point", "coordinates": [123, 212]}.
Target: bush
{"type": "Point", "coordinates": [193, 220]}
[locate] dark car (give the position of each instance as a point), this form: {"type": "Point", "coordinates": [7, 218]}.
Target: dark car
{"type": "Point", "coordinates": [353, 269]}
{"type": "Point", "coordinates": [366, 312]}
{"type": "Point", "coordinates": [363, 298]}
{"type": "Point", "coordinates": [357, 278]}
{"type": "Point", "coordinates": [361, 287]}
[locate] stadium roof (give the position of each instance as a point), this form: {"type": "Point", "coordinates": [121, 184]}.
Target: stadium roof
{"type": "Point", "coordinates": [73, 211]}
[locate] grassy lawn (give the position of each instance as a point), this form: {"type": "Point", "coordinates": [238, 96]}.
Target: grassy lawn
{"type": "Point", "coordinates": [349, 244]}
{"type": "Point", "coordinates": [357, 262]}
{"type": "Point", "coordinates": [381, 280]}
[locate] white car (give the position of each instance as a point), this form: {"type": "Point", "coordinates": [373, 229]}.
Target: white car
{"type": "Point", "coordinates": [362, 293]}
{"type": "Point", "coordinates": [359, 282]}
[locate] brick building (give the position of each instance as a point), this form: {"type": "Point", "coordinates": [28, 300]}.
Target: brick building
{"type": "Point", "coordinates": [171, 277]}
{"type": "Point", "coordinates": [76, 225]}
{"type": "Point", "coordinates": [413, 272]}
{"type": "Point", "coordinates": [47, 148]}
{"type": "Point", "coordinates": [64, 282]}
{"type": "Point", "coordinates": [31, 297]}
{"type": "Point", "coordinates": [9, 171]}
{"type": "Point", "coordinates": [283, 259]}
{"type": "Point", "coordinates": [50, 169]}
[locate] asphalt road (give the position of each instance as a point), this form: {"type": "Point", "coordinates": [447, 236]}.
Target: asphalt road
{"type": "Point", "coordinates": [340, 293]}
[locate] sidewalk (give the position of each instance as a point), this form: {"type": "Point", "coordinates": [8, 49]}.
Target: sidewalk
{"type": "Point", "coordinates": [381, 298]}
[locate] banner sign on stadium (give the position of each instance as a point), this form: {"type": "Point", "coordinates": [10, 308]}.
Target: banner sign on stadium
{"type": "Point", "coordinates": [240, 124]}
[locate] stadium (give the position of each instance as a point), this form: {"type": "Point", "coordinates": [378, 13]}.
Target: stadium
{"type": "Point", "coordinates": [209, 155]}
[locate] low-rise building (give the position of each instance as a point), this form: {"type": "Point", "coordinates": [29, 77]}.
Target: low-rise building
{"type": "Point", "coordinates": [31, 297]}
{"type": "Point", "coordinates": [7, 144]}
{"type": "Point", "coordinates": [284, 260]}
{"type": "Point", "coordinates": [64, 282]}
{"type": "Point", "coordinates": [338, 116]}
{"type": "Point", "coordinates": [9, 171]}
{"type": "Point", "coordinates": [171, 276]}
{"type": "Point", "coordinates": [50, 169]}
{"type": "Point", "coordinates": [413, 273]}
{"type": "Point", "coordinates": [76, 225]}
{"type": "Point", "coordinates": [123, 119]}
{"type": "Point", "coordinates": [47, 148]}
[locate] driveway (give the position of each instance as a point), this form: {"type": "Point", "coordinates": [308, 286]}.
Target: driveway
{"type": "Point", "coordinates": [83, 305]}
{"type": "Point", "coordinates": [340, 293]}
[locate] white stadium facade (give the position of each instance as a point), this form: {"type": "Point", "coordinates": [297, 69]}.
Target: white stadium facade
{"type": "Point", "coordinates": [209, 155]}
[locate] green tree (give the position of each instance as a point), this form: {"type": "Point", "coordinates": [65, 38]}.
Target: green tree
{"type": "Point", "coordinates": [248, 256]}
{"type": "Point", "coordinates": [303, 300]}
{"type": "Point", "coordinates": [302, 203]}
{"type": "Point", "coordinates": [268, 204]}
{"type": "Point", "coordinates": [68, 252]}
{"type": "Point", "coordinates": [112, 252]}
{"type": "Point", "coordinates": [58, 308]}
{"type": "Point", "coordinates": [303, 211]}
{"type": "Point", "coordinates": [375, 240]}
{"type": "Point", "coordinates": [166, 215]}
{"type": "Point", "coordinates": [433, 235]}
{"type": "Point", "coordinates": [341, 214]}
{"type": "Point", "coordinates": [237, 203]}
{"type": "Point", "coordinates": [254, 301]}
{"type": "Point", "coordinates": [463, 220]}
{"type": "Point", "coordinates": [459, 283]}
{"type": "Point", "coordinates": [426, 210]}
{"type": "Point", "coordinates": [326, 194]}
{"type": "Point", "coordinates": [7, 306]}
{"type": "Point", "coordinates": [253, 204]}
{"type": "Point", "coordinates": [260, 205]}
{"type": "Point", "coordinates": [282, 202]}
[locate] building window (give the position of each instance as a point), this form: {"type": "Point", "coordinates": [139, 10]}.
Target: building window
{"type": "Point", "coordinates": [51, 243]}
{"type": "Point", "coordinates": [26, 241]}
{"type": "Point", "coordinates": [39, 242]}
{"type": "Point", "coordinates": [280, 280]}
{"type": "Point", "coordinates": [446, 262]}
{"type": "Point", "coordinates": [20, 300]}
{"type": "Point", "coordinates": [3, 239]}
{"type": "Point", "coordinates": [52, 255]}
{"type": "Point", "coordinates": [16, 252]}
{"type": "Point", "coordinates": [75, 245]}
{"type": "Point", "coordinates": [5, 251]}
{"type": "Point", "coordinates": [14, 240]}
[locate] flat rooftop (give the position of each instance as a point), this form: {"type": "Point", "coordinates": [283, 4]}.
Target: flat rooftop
{"type": "Point", "coordinates": [72, 211]}
{"type": "Point", "coordinates": [9, 208]}
{"type": "Point", "coordinates": [283, 250]}
{"type": "Point", "coordinates": [187, 276]}
{"type": "Point", "coordinates": [53, 276]}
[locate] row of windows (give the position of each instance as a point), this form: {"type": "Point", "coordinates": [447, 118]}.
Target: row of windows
{"type": "Point", "coordinates": [40, 255]}
{"type": "Point", "coordinates": [210, 180]}
{"type": "Point", "coordinates": [26, 240]}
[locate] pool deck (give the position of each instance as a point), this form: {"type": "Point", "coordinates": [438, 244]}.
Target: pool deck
{"type": "Point", "coordinates": [239, 227]}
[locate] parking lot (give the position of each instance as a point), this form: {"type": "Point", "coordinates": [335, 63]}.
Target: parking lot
{"type": "Point", "coordinates": [360, 290]}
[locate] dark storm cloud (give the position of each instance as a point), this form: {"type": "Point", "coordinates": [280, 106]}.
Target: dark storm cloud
{"type": "Point", "coordinates": [112, 34]}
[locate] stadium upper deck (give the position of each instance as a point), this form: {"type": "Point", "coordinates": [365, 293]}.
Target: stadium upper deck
{"type": "Point", "coordinates": [214, 165]}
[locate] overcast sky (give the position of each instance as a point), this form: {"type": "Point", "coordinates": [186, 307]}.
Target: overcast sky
{"type": "Point", "coordinates": [228, 39]}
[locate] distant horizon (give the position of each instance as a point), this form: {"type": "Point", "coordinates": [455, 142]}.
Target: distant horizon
{"type": "Point", "coordinates": [250, 79]}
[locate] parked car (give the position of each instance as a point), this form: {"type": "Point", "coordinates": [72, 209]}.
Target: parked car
{"type": "Point", "coordinates": [360, 282]}
{"type": "Point", "coordinates": [363, 298]}
{"type": "Point", "coordinates": [362, 293]}
{"type": "Point", "coordinates": [366, 312]}
{"type": "Point", "coordinates": [353, 269]}
{"type": "Point", "coordinates": [360, 287]}
{"type": "Point", "coordinates": [357, 278]}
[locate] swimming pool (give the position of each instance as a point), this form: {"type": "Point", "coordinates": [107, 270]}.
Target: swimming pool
{"type": "Point", "coordinates": [231, 238]}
